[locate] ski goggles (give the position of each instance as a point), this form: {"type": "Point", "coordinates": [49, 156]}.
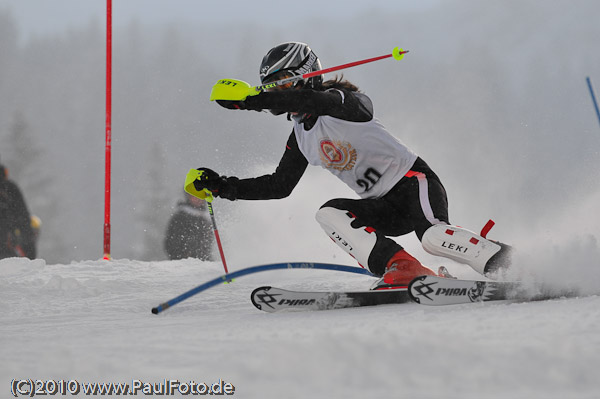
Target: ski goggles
{"type": "Point", "coordinates": [280, 75]}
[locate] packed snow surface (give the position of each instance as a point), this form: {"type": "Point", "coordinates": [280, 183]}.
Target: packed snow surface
{"type": "Point", "coordinates": [91, 322]}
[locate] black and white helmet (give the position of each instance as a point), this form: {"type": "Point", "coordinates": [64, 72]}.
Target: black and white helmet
{"type": "Point", "coordinates": [291, 59]}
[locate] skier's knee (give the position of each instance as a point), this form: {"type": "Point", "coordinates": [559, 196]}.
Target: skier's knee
{"type": "Point", "coordinates": [337, 203]}
{"type": "Point", "coordinates": [357, 242]}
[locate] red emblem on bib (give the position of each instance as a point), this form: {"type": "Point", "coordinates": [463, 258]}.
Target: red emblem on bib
{"type": "Point", "coordinates": [337, 154]}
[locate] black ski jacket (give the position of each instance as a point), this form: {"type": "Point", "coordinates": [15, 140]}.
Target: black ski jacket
{"type": "Point", "coordinates": [189, 234]}
{"type": "Point", "coordinates": [16, 234]}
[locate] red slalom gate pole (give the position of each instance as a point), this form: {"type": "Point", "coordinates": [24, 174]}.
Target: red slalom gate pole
{"type": "Point", "coordinates": [108, 136]}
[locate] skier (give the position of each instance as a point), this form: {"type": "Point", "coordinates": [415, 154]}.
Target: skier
{"type": "Point", "coordinates": [334, 128]}
{"type": "Point", "coordinates": [16, 234]}
{"type": "Point", "coordinates": [189, 232]}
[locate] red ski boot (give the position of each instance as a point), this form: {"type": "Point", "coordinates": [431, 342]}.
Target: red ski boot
{"type": "Point", "coordinates": [400, 271]}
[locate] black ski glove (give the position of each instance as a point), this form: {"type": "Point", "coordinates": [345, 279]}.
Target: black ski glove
{"type": "Point", "coordinates": [232, 104]}
{"type": "Point", "coordinates": [250, 103]}
{"type": "Point", "coordinates": [220, 186]}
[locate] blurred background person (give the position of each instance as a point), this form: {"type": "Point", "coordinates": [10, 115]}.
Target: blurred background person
{"type": "Point", "coordinates": [189, 233]}
{"type": "Point", "coordinates": [17, 237]}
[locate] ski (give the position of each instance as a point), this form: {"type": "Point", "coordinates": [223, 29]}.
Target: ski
{"type": "Point", "coordinates": [272, 299]}
{"type": "Point", "coordinates": [433, 290]}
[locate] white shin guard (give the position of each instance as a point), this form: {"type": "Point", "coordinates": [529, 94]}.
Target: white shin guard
{"type": "Point", "coordinates": [357, 242]}
{"type": "Point", "coordinates": [460, 245]}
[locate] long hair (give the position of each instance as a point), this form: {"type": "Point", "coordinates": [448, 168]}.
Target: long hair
{"type": "Point", "coordinates": [338, 82]}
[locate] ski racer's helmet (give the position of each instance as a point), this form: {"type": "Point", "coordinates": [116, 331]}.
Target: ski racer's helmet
{"type": "Point", "coordinates": [291, 59]}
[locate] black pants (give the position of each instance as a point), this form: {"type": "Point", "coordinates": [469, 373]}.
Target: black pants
{"type": "Point", "coordinates": [415, 203]}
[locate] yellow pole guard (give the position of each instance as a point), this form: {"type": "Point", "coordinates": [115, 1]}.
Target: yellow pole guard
{"type": "Point", "coordinates": [192, 176]}
{"type": "Point", "coordinates": [232, 90]}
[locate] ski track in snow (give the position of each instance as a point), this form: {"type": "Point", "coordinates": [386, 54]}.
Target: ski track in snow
{"type": "Point", "coordinates": [91, 321]}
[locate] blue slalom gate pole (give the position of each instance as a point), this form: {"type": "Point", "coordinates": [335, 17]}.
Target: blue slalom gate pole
{"type": "Point", "coordinates": [589, 83]}
{"type": "Point", "coordinates": [255, 269]}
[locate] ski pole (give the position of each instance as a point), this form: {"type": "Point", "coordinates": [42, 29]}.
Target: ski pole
{"type": "Point", "coordinates": [397, 53]}
{"type": "Point", "coordinates": [238, 90]}
{"type": "Point", "coordinates": [589, 82]}
{"type": "Point", "coordinates": [207, 196]}
{"type": "Point", "coordinates": [216, 231]}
